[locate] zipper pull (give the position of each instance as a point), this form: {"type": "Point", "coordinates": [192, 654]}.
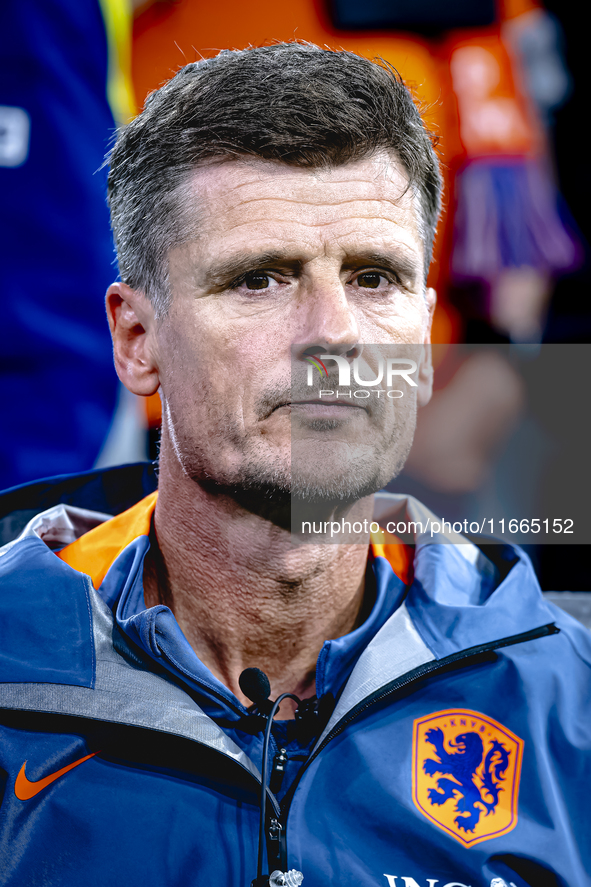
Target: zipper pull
{"type": "Point", "coordinates": [292, 878]}
{"type": "Point", "coordinates": [275, 829]}
{"type": "Point", "coordinates": [278, 771]}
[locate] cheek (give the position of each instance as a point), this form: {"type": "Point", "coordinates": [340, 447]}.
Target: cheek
{"type": "Point", "coordinates": [188, 369]}
{"type": "Point", "coordinates": [404, 319]}
{"type": "Point", "coordinates": [402, 411]}
{"type": "Point", "coordinates": [208, 387]}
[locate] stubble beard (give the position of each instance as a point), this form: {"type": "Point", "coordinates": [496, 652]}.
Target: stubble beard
{"type": "Point", "coordinates": [272, 483]}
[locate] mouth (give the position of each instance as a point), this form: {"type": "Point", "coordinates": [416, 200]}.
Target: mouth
{"type": "Point", "coordinates": [325, 407]}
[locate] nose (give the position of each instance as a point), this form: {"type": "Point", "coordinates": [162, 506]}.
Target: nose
{"type": "Point", "coordinates": [329, 323]}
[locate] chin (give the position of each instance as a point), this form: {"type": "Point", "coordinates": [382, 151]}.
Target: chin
{"type": "Point", "coordinates": [315, 474]}
{"type": "Point", "coordinates": [341, 472]}
{"type": "Point", "coordinates": [339, 488]}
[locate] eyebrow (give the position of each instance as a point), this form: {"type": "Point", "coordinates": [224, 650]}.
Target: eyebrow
{"type": "Point", "coordinates": [224, 272]}
{"type": "Point", "coordinates": [398, 263]}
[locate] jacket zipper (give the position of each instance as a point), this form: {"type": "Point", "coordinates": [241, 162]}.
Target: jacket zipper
{"type": "Point", "coordinates": [275, 834]}
{"type": "Point", "coordinates": [478, 652]}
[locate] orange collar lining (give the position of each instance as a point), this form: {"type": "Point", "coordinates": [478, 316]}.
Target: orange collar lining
{"type": "Point", "coordinates": [95, 551]}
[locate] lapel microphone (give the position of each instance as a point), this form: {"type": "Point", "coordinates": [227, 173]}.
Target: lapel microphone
{"type": "Point", "coordinates": [255, 685]}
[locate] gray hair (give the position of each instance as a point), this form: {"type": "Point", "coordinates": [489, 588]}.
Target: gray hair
{"type": "Point", "coordinates": [290, 102]}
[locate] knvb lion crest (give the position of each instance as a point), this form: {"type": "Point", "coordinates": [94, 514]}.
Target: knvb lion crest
{"type": "Point", "coordinates": [466, 770]}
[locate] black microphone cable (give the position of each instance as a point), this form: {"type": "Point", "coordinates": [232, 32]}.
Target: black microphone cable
{"type": "Point", "coordinates": [254, 683]}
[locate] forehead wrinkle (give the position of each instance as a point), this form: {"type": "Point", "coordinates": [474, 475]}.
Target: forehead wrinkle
{"type": "Point", "coordinates": [398, 211]}
{"type": "Point", "coordinates": [406, 252]}
{"type": "Point", "coordinates": [228, 178]}
{"type": "Point", "coordinates": [302, 180]}
{"type": "Point", "coordinates": [271, 248]}
{"type": "Point", "coordinates": [313, 216]}
{"type": "Point", "coordinates": [401, 203]}
{"type": "Point", "coordinates": [291, 247]}
{"type": "Point", "coordinates": [216, 216]}
{"type": "Point", "coordinates": [316, 224]}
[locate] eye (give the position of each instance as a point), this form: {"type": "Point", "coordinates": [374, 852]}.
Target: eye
{"type": "Point", "coordinates": [371, 280]}
{"type": "Point", "coordinates": [258, 280]}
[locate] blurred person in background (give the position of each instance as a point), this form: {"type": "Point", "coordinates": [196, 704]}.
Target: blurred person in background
{"type": "Point", "coordinates": [64, 87]}
{"type": "Point", "coordinates": [513, 235]}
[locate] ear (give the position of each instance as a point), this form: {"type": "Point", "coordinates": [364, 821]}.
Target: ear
{"type": "Point", "coordinates": [133, 325]}
{"type": "Point", "coordinates": [426, 366]}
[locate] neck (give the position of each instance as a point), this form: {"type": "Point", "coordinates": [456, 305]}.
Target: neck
{"type": "Point", "coordinates": [243, 593]}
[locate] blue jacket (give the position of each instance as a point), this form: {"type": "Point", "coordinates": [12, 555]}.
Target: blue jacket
{"type": "Point", "coordinates": [457, 753]}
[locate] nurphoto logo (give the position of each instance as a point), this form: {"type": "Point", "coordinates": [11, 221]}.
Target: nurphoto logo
{"type": "Point", "coordinates": [388, 369]}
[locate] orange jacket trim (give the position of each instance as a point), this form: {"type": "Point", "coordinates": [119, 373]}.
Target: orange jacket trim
{"type": "Point", "coordinates": [95, 551]}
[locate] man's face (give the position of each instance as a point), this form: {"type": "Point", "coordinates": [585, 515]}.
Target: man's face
{"type": "Point", "coordinates": [288, 262]}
